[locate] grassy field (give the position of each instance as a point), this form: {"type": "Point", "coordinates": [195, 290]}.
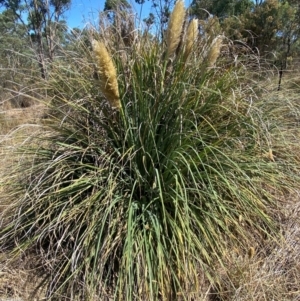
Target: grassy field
{"type": "Point", "coordinates": [155, 172]}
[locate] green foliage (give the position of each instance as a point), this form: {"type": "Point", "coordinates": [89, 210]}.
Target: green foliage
{"type": "Point", "coordinates": [116, 5]}
{"type": "Point", "coordinates": [42, 22]}
{"type": "Point", "coordinates": [134, 204]}
{"type": "Point", "coordinates": [15, 56]}
{"type": "Point", "coordinates": [13, 39]}
{"type": "Point", "coordinates": [274, 26]}
{"type": "Point", "coordinates": [271, 28]}
{"type": "Point", "coordinates": [220, 9]}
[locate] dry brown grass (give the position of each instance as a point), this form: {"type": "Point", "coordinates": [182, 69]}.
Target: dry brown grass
{"type": "Point", "coordinates": [273, 273]}
{"type": "Point", "coordinates": [15, 126]}
{"type": "Point", "coordinates": [18, 279]}
{"type": "Point", "coordinates": [12, 118]}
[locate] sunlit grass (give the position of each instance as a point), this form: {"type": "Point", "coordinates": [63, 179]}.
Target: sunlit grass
{"type": "Point", "coordinates": [133, 203]}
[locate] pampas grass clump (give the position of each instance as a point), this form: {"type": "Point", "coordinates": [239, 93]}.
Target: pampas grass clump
{"type": "Point", "coordinates": [138, 203]}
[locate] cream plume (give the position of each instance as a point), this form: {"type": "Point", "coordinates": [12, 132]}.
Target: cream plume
{"type": "Point", "coordinates": [175, 27]}
{"type": "Point", "coordinates": [107, 73]}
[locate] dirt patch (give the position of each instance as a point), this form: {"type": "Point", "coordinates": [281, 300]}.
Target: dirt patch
{"type": "Point", "coordinates": [18, 281]}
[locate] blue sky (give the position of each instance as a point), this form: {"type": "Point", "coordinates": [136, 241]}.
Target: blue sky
{"type": "Point", "coordinates": [83, 12]}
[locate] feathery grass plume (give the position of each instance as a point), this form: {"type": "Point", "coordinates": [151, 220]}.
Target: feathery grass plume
{"type": "Point", "coordinates": [191, 36]}
{"type": "Point", "coordinates": [107, 73]}
{"type": "Point", "coordinates": [214, 51]}
{"type": "Point", "coordinates": [175, 27]}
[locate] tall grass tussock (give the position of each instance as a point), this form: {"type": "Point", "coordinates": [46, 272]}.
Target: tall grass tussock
{"type": "Point", "coordinates": [142, 180]}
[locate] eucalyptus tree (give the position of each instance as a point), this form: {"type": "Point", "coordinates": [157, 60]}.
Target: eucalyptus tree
{"type": "Point", "coordinates": [14, 50]}
{"type": "Point", "coordinates": [120, 17]}
{"type": "Point", "coordinates": [43, 22]}
{"type": "Point", "coordinates": [221, 9]}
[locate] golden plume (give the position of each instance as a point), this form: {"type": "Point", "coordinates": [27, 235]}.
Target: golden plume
{"type": "Point", "coordinates": [107, 73]}
{"type": "Point", "coordinates": [214, 51]}
{"type": "Point", "coordinates": [191, 37]}
{"type": "Point", "coordinates": [175, 27]}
